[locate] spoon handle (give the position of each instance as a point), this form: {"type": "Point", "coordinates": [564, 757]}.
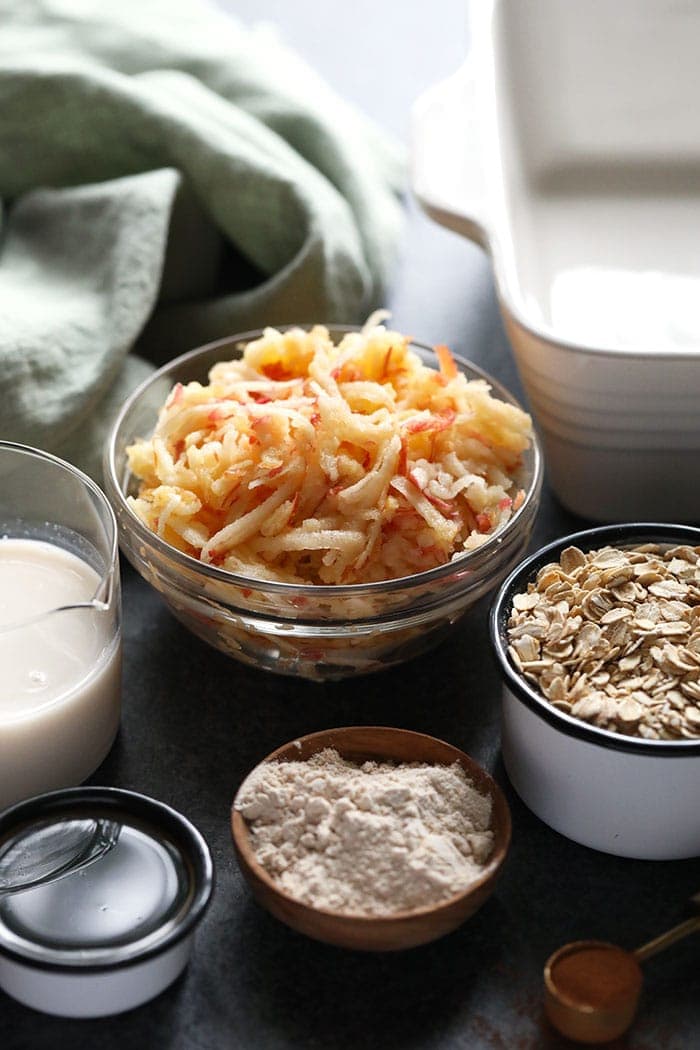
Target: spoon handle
{"type": "Point", "coordinates": [664, 940]}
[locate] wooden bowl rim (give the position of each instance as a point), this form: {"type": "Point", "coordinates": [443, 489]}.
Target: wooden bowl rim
{"type": "Point", "coordinates": [241, 836]}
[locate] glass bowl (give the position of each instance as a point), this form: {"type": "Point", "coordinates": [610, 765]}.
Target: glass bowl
{"type": "Point", "coordinates": [312, 631]}
{"type": "Point", "coordinates": [60, 624]}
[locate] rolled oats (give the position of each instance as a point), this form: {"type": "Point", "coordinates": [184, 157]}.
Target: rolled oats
{"type": "Point", "coordinates": [612, 637]}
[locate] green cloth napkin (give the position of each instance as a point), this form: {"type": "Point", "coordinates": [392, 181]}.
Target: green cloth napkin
{"type": "Point", "coordinates": [167, 178]}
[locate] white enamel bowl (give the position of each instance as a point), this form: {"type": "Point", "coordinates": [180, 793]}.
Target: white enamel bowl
{"type": "Point", "coordinates": [620, 794]}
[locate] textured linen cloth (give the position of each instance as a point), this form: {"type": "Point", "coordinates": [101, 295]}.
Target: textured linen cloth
{"type": "Point", "coordinates": [167, 178]}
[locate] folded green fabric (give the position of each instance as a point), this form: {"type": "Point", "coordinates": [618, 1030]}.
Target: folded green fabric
{"type": "Point", "coordinates": [167, 178]}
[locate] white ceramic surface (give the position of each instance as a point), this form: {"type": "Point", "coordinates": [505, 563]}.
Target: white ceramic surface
{"type": "Point", "coordinates": [626, 803]}
{"type": "Point", "coordinates": [567, 147]}
{"type": "Point", "coordinates": [81, 994]}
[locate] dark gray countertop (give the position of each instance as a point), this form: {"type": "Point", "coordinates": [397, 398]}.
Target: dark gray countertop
{"type": "Point", "coordinates": [195, 723]}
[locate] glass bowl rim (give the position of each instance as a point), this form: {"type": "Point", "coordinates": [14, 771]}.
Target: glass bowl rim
{"type": "Point", "coordinates": [319, 590]}
{"type": "Point", "coordinates": [91, 486]}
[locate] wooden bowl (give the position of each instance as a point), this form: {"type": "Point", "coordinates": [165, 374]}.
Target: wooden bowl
{"type": "Point", "coordinates": [401, 929]}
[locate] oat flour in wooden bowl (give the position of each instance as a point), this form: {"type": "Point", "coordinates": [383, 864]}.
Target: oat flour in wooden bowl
{"type": "Point", "coordinates": [371, 837]}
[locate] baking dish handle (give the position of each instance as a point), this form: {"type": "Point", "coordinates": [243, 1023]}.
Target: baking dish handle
{"type": "Point", "coordinates": [447, 173]}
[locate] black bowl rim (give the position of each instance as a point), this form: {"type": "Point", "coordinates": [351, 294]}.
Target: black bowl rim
{"type": "Point", "coordinates": [119, 802]}
{"type": "Point", "coordinates": [463, 563]}
{"type": "Point", "coordinates": [627, 533]}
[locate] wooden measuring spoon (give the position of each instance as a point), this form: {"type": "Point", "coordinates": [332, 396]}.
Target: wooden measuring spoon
{"type": "Point", "coordinates": [592, 988]}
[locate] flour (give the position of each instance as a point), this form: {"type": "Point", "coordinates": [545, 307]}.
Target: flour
{"type": "Point", "coordinates": [373, 839]}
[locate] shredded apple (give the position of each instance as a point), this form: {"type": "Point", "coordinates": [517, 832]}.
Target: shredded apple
{"type": "Point", "coordinates": [310, 462]}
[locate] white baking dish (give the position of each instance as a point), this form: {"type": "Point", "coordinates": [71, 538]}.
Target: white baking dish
{"type": "Point", "coordinates": [624, 795]}
{"type": "Point", "coordinates": [568, 147]}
